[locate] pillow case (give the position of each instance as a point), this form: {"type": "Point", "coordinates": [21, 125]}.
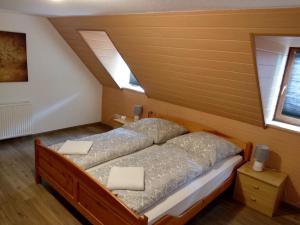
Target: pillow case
{"type": "Point", "coordinates": [203, 144]}
{"type": "Point", "coordinates": [159, 129]}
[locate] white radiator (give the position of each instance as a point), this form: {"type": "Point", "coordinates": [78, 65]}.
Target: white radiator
{"type": "Point", "coordinates": [15, 119]}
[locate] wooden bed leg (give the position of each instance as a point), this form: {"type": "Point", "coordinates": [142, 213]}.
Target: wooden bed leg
{"type": "Point", "coordinates": [38, 178]}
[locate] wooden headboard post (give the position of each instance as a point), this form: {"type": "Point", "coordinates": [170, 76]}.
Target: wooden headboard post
{"type": "Point", "coordinates": [248, 151]}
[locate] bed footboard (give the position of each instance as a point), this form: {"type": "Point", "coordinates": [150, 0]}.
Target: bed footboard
{"type": "Point", "coordinates": [87, 195]}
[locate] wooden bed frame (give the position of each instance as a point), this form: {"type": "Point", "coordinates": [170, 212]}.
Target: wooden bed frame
{"type": "Point", "coordinates": [99, 205]}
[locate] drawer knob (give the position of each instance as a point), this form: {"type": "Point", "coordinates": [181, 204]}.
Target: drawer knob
{"type": "Point", "coordinates": [253, 199]}
{"type": "Point", "coordinates": [255, 187]}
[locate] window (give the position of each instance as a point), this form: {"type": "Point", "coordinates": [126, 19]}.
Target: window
{"type": "Point", "coordinates": [110, 58]}
{"type": "Point", "coordinates": [288, 105]}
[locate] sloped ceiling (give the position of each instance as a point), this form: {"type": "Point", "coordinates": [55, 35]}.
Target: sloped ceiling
{"type": "Point", "coordinates": [202, 60]}
{"type": "Point", "coordinates": [106, 7]}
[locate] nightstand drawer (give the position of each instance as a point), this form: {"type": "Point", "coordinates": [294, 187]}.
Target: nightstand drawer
{"type": "Point", "coordinates": [251, 185]}
{"type": "Point", "coordinates": [257, 201]}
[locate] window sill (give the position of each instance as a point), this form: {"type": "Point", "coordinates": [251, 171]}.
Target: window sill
{"type": "Point", "coordinates": [135, 89]}
{"type": "Point", "coordinates": [284, 126]}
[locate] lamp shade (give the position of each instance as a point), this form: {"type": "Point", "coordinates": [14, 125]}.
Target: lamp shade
{"type": "Point", "coordinates": [137, 110]}
{"type": "Point", "coordinates": [261, 153]}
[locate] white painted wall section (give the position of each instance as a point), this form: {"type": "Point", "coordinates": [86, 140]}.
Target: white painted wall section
{"type": "Point", "coordinates": [61, 89]}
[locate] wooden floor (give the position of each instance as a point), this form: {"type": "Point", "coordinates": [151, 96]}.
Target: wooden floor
{"type": "Point", "coordinates": [22, 202]}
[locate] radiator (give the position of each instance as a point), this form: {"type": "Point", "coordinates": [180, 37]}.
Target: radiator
{"type": "Point", "coordinates": [15, 119]}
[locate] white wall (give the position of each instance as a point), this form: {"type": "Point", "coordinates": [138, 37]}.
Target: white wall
{"type": "Point", "coordinates": [62, 90]}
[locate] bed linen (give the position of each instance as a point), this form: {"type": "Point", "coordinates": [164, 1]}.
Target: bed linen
{"type": "Point", "coordinates": [107, 146]}
{"type": "Point", "coordinates": [186, 196]}
{"type": "Point", "coordinates": [166, 167]}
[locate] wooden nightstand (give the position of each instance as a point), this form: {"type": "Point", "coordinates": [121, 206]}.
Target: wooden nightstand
{"type": "Point", "coordinates": [259, 190]}
{"type": "Point", "coordinates": [118, 122]}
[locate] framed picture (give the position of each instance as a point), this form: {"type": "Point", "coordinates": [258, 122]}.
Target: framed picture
{"type": "Point", "coordinates": [13, 57]}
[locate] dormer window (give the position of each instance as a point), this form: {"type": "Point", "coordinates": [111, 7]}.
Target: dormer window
{"type": "Point", "coordinates": [278, 65]}
{"type": "Point", "coordinates": [100, 43]}
{"type": "Point", "coordinates": [288, 106]}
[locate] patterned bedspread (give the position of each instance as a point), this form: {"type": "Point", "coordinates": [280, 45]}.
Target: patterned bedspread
{"type": "Point", "coordinates": [109, 145]}
{"type": "Point", "coordinates": [166, 167]}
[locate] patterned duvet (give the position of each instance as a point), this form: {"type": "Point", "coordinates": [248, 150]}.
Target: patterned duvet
{"type": "Point", "coordinates": [108, 146]}
{"type": "Point", "coordinates": [166, 167]}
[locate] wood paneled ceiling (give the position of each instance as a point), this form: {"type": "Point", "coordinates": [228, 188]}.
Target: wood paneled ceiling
{"type": "Point", "coordinates": [202, 60]}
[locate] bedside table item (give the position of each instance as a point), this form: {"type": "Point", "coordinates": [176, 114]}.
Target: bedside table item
{"type": "Point", "coordinates": [261, 155]}
{"type": "Point", "coordinates": [259, 190]}
{"type": "Point", "coordinates": [137, 112]}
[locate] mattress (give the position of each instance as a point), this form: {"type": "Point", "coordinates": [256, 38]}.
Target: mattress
{"type": "Point", "coordinates": [199, 188]}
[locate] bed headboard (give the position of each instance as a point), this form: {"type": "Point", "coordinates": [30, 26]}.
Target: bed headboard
{"type": "Point", "coordinates": [194, 126]}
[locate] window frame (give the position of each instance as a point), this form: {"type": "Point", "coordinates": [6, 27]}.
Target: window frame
{"type": "Point", "coordinates": [278, 116]}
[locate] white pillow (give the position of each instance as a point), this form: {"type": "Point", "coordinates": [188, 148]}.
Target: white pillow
{"type": "Point", "coordinates": [159, 129]}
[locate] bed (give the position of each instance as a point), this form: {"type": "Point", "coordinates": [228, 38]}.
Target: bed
{"type": "Point", "coordinates": [101, 206]}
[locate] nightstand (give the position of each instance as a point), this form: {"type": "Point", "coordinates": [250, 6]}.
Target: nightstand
{"type": "Point", "coordinates": [118, 122]}
{"type": "Point", "coordinates": [259, 190]}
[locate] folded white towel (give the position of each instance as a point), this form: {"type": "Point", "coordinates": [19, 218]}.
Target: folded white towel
{"type": "Point", "coordinates": [126, 178]}
{"type": "Point", "coordinates": [75, 147]}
